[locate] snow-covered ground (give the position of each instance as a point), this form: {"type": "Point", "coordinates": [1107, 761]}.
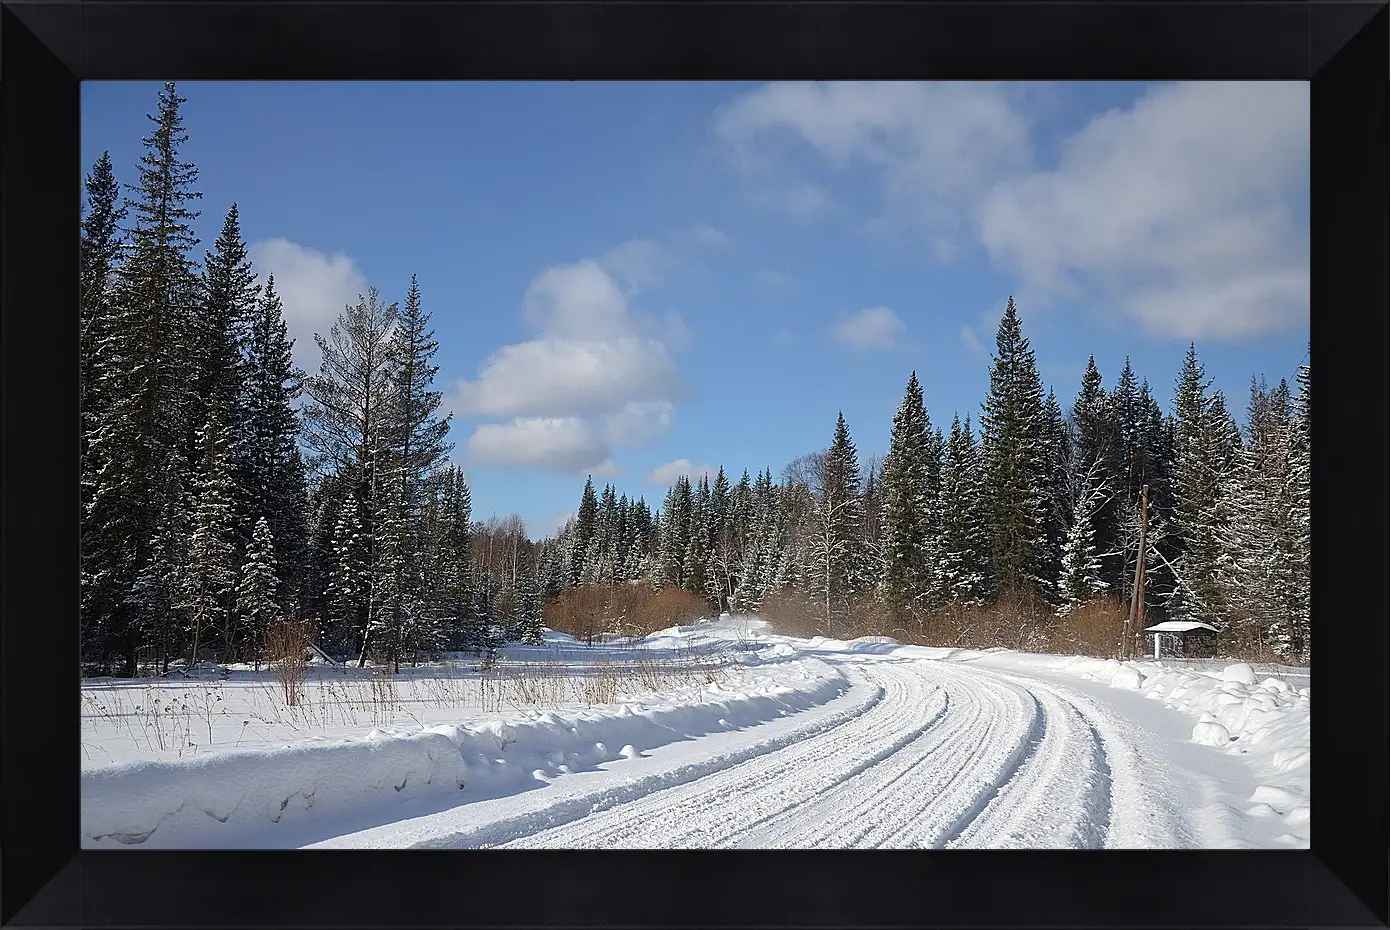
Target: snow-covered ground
{"type": "Point", "coordinates": [716, 735]}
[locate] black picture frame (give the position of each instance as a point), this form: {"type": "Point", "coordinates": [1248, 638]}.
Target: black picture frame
{"type": "Point", "coordinates": [47, 48]}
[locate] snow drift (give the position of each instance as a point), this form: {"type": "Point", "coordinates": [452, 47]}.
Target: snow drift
{"type": "Point", "coordinates": [133, 802]}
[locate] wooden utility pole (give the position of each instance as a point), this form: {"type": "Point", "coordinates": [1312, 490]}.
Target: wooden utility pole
{"type": "Point", "coordinates": [1132, 622]}
{"type": "Point", "coordinates": [1140, 587]}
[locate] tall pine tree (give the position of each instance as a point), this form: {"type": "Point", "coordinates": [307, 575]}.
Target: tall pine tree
{"type": "Point", "coordinates": [417, 430]}
{"type": "Point", "coordinates": [1014, 466]}
{"type": "Point", "coordinates": [1202, 452]}
{"type": "Point", "coordinates": [230, 302]}
{"type": "Point", "coordinates": [137, 449]}
{"type": "Point", "coordinates": [271, 472]}
{"type": "Point", "coordinates": [964, 570]}
{"type": "Point", "coordinates": [257, 589]}
{"type": "Point", "coordinates": [908, 549]}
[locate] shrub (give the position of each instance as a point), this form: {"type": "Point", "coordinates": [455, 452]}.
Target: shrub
{"type": "Point", "coordinates": [287, 649]}
{"type": "Point", "coordinates": [588, 612]}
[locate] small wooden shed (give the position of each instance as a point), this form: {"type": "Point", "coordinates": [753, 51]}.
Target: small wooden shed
{"type": "Point", "coordinates": [1179, 632]}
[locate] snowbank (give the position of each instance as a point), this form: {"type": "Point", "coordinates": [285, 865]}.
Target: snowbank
{"type": "Point", "coordinates": [132, 802]}
{"type": "Point", "coordinates": [1267, 722]}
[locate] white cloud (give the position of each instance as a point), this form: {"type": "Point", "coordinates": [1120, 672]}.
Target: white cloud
{"type": "Point", "coordinates": [562, 377]}
{"type": "Point", "coordinates": [1185, 210]}
{"type": "Point", "coordinates": [597, 374]}
{"type": "Point", "coordinates": [579, 301]}
{"type": "Point", "coordinates": [872, 328]}
{"type": "Point", "coordinates": [638, 423]}
{"type": "Point", "coordinates": [638, 262]}
{"type": "Point", "coordinates": [1180, 209]}
{"type": "Point", "coordinates": [314, 288]}
{"type": "Point", "coordinates": [568, 445]}
{"type": "Point", "coordinates": [593, 355]}
{"type": "Point", "coordinates": [934, 145]}
{"type": "Point", "coordinates": [665, 475]}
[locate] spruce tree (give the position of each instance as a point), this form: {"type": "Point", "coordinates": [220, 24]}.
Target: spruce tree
{"type": "Point", "coordinates": [1056, 454]}
{"type": "Point", "coordinates": [349, 581]}
{"type": "Point", "coordinates": [908, 547]}
{"type": "Point", "coordinates": [417, 429]}
{"type": "Point", "coordinates": [1299, 498]}
{"type": "Point", "coordinates": [528, 611]}
{"type": "Point", "coordinates": [257, 604]}
{"type": "Point", "coordinates": [1083, 575]}
{"type": "Point", "coordinates": [720, 582]}
{"type": "Point", "coordinates": [1013, 463]}
{"type": "Point", "coordinates": [137, 450]}
{"type": "Point", "coordinates": [586, 527]}
{"type": "Point", "coordinates": [606, 537]}
{"type": "Point", "coordinates": [209, 594]}
{"type": "Point", "coordinates": [834, 559]}
{"type": "Point", "coordinates": [395, 620]}
{"type": "Point", "coordinates": [230, 302]}
{"type": "Point", "coordinates": [271, 474]}
{"type": "Point", "coordinates": [1266, 538]}
{"type": "Point", "coordinates": [696, 559]}
{"type": "Point", "coordinates": [1202, 455]}
{"type": "Point", "coordinates": [101, 254]}
{"type": "Point", "coordinates": [964, 543]}
{"type": "Point", "coordinates": [454, 559]}
{"type": "Point", "coordinates": [675, 532]}
{"type": "Point", "coordinates": [157, 594]}
{"type": "Point", "coordinates": [1099, 459]}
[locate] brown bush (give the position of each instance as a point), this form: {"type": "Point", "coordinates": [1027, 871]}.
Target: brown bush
{"type": "Point", "coordinates": [589, 612]}
{"type": "Point", "coordinates": [649, 611]}
{"type": "Point", "coordinates": [1021, 622]}
{"type": "Point", "coordinates": [1025, 623]}
{"type": "Point", "coordinates": [792, 613]}
{"type": "Point", "coordinates": [287, 649]}
{"type": "Point", "coordinates": [579, 612]}
{"type": "Point", "coordinates": [1092, 629]}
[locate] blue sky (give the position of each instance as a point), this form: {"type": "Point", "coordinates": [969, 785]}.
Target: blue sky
{"type": "Point", "coordinates": [638, 279]}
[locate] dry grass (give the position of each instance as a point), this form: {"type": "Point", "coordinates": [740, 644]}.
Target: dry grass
{"type": "Point", "coordinates": [153, 718]}
{"type": "Point", "coordinates": [164, 721]}
{"type": "Point", "coordinates": [549, 683]}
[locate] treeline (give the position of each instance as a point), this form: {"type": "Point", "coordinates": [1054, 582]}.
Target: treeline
{"type": "Point", "coordinates": [223, 490]}
{"type": "Point", "coordinates": [1028, 507]}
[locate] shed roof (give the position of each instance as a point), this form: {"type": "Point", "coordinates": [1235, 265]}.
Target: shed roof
{"type": "Point", "coordinates": [1179, 626]}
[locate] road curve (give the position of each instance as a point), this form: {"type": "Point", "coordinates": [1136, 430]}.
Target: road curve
{"type": "Point", "coordinates": [943, 755]}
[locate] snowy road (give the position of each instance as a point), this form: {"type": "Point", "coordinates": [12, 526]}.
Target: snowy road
{"type": "Point", "coordinates": [917, 753]}
{"type": "Point", "coordinates": [789, 743]}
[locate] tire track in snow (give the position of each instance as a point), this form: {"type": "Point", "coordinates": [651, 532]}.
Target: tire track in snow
{"type": "Point", "coordinates": [768, 785]}
{"type": "Point", "coordinates": [868, 808]}
{"type": "Point", "coordinates": [944, 755]}
{"type": "Point", "coordinates": [587, 804]}
{"type": "Point", "coordinates": [1125, 799]}
{"type": "Point", "coordinates": [1050, 801]}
